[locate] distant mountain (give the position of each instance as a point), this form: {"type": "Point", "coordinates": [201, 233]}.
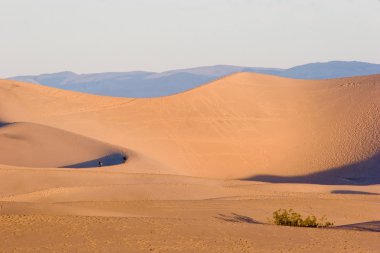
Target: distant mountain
{"type": "Point", "coordinates": [150, 84]}
{"type": "Point", "coordinates": [333, 69]}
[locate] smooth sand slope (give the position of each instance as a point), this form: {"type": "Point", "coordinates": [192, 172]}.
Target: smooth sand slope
{"type": "Point", "coordinates": [34, 145]}
{"type": "Point", "coordinates": [176, 192]}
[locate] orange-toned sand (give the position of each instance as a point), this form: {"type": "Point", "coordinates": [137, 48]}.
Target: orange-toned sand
{"type": "Point", "coordinates": [178, 190]}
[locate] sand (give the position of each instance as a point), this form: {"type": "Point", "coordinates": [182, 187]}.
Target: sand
{"type": "Point", "coordinates": [34, 145]}
{"type": "Point", "coordinates": [205, 168]}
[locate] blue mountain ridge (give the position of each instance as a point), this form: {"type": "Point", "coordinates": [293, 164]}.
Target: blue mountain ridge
{"type": "Point", "coordinates": [142, 84]}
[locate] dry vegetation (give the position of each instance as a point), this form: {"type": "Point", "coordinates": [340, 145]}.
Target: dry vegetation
{"type": "Point", "coordinates": [289, 217]}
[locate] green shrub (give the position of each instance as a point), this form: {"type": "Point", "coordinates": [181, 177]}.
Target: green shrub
{"type": "Point", "coordinates": [289, 217]}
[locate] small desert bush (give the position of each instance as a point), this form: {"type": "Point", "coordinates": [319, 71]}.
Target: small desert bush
{"type": "Point", "coordinates": [289, 217]}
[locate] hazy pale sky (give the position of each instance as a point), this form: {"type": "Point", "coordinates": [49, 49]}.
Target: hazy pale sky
{"type": "Point", "coordinates": [43, 36]}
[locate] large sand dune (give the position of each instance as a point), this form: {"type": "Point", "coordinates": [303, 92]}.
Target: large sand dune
{"type": "Point", "coordinates": [242, 126]}
{"type": "Point", "coordinates": [34, 145]}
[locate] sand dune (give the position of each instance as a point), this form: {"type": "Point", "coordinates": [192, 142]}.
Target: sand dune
{"type": "Point", "coordinates": [34, 145]}
{"type": "Point", "coordinates": [242, 126]}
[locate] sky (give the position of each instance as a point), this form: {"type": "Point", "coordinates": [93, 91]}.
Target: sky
{"type": "Point", "coordinates": [86, 36]}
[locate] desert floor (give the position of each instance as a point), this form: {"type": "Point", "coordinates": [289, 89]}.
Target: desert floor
{"type": "Point", "coordinates": [112, 211]}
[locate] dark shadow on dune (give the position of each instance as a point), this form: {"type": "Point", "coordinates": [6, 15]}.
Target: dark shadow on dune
{"type": "Point", "coordinates": [2, 124]}
{"type": "Point", "coordinates": [236, 218]}
{"type": "Point", "coordinates": [365, 172]}
{"type": "Point", "coordinates": [109, 160]}
{"type": "Point", "coordinates": [353, 192]}
{"type": "Point", "coordinates": [370, 226]}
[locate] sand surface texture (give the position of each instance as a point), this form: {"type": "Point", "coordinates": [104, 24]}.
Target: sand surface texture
{"type": "Point", "coordinates": [200, 171]}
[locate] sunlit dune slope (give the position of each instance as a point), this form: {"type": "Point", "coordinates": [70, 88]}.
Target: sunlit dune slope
{"type": "Point", "coordinates": [241, 126]}
{"type": "Point", "coordinates": [34, 145]}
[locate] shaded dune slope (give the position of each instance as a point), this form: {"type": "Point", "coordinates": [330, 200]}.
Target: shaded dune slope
{"type": "Point", "coordinates": [35, 145]}
{"type": "Point", "coordinates": [241, 126]}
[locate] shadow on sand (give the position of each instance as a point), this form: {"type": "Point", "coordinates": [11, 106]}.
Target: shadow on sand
{"type": "Point", "coordinates": [370, 226]}
{"type": "Point", "coordinates": [353, 192]}
{"type": "Point", "coordinates": [109, 160]}
{"type": "Point", "coordinates": [2, 124]}
{"type": "Point", "coordinates": [365, 172]}
{"type": "Point", "coordinates": [236, 218]}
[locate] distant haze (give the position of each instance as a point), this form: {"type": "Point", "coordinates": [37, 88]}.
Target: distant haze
{"type": "Point", "coordinates": [87, 36]}
{"type": "Point", "coordinates": [143, 84]}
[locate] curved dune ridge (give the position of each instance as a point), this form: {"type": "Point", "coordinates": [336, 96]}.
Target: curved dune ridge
{"type": "Point", "coordinates": [242, 126]}
{"type": "Point", "coordinates": [35, 145]}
